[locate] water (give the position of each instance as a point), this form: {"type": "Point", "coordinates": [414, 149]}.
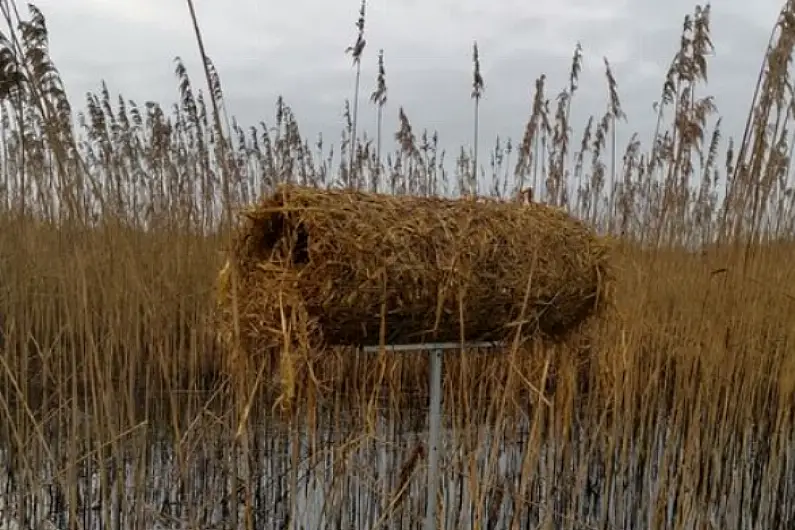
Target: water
{"type": "Point", "coordinates": [348, 478]}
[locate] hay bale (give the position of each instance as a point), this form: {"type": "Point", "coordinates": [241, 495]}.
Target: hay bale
{"type": "Point", "coordinates": [329, 264]}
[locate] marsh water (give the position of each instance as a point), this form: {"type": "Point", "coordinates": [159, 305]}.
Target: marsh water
{"type": "Point", "coordinates": [345, 478]}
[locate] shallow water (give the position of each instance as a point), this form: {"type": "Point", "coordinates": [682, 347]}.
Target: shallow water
{"type": "Point", "coordinates": [650, 483]}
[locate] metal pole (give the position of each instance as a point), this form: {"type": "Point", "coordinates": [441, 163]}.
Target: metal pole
{"type": "Point", "coordinates": [435, 420]}
{"type": "Point", "coordinates": [434, 408]}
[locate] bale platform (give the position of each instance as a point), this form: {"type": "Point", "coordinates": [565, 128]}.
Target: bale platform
{"type": "Point", "coordinates": [352, 268]}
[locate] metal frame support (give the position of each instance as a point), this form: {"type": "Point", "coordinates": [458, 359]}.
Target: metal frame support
{"type": "Point", "coordinates": [434, 426]}
{"type": "Point", "coordinates": [435, 356]}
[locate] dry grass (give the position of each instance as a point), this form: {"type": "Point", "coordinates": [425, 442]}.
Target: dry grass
{"type": "Point", "coordinates": [678, 411]}
{"type": "Point", "coordinates": [343, 268]}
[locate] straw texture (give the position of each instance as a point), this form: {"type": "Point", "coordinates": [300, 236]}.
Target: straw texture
{"type": "Point", "coordinates": [334, 267]}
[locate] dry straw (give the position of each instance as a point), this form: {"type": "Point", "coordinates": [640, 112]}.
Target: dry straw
{"type": "Point", "coordinates": [334, 267]}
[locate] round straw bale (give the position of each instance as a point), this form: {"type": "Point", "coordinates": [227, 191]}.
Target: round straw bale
{"type": "Point", "coordinates": [432, 269]}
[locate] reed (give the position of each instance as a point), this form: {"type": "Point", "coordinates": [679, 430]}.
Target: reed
{"type": "Point", "coordinates": [118, 411]}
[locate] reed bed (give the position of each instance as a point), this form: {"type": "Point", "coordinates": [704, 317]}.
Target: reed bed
{"type": "Point", "coordinates": [119, 409]}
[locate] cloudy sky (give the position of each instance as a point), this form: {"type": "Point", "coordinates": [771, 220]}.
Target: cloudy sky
{"type": "Point", "coordinates": [264, 48]}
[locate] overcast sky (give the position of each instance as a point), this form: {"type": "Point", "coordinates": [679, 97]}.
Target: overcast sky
{"type": "Point", "coordinates": [264, 48]}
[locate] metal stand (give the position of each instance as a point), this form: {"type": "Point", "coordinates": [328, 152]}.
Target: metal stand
{"type": "Point", "coordinates": [434, 425]}
{"type": "Point", "coordinates": [434, 409]}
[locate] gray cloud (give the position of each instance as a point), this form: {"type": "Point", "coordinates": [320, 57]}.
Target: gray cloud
{"type": "Point", "coordinates": [296, 49]}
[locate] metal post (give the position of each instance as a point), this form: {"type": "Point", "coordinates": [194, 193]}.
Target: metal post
{"type": "Point", "coordinates": [434, 408]}
{"type": "Point", "coordinates": [434, 420]}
